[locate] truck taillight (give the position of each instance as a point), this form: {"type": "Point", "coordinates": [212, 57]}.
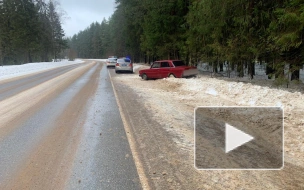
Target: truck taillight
{"type": "Point", "coordinates": [117, 64]}
{"type": "Point", "coordinates": [131, 65]}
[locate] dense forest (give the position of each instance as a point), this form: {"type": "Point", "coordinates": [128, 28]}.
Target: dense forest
{"type": "Point", "coordinates": [236, 32]}
{"type": "Point", "coordinates": [30, 31]}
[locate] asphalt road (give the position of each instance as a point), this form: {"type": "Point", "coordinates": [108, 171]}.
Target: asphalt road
{"type": "Point", "coordinates": [62, 129]}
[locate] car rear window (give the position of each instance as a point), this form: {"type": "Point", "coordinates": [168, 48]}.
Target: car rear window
{"type": "Point", "coordinates": [112, 59]}
{"type": "Point", "coordinates": [165, 64]}
{"type": "Point", "coordinates": [120, 61]}
{"type": "Point", "coordinates": [178, 63]}
{"type": "Point", "coordinates": [123, 61]}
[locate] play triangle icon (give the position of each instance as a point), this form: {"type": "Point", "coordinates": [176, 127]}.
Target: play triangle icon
{"type": "Point", "coordinates": [235, 138]}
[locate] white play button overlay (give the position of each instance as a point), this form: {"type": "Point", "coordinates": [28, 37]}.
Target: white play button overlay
{"type": "Point", "coordinates": [235, 138]}
{"type": "Point", "coordinates": [238, 138]}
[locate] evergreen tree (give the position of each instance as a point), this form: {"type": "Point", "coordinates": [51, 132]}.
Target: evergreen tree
{"type": "Point", "coordinates": [237, 32]}
{"type": "Point", "coordinates": [57, 33]}
{"type": "Point", "coordinates": [30, 31]}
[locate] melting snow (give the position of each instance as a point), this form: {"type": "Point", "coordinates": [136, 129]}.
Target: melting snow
{"type": "Point", "coordinates": [279, 104]}
{"type": "Point", "coordinates": [252, 102]}
{"type": "Point", "coordinates": [211, 91]}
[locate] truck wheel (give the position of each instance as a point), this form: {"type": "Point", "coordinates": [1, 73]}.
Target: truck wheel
{"type": "Point", "coordinates": [171, 75]}
{"type": "Point", "coordinates": [144, 77]}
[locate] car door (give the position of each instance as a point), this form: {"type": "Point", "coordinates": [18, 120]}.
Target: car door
{"type": "Point", "coordinates": [154, 71]}
{"type": "Point", "coordinates": [164, 69]}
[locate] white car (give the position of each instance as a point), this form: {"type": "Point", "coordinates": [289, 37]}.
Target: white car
{"type": "Point", "coordinates": [111, 62]}
{"type": "Point", "coordinates": [124, 64]}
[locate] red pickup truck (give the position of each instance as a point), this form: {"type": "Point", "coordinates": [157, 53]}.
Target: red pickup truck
{"type": "Point", "coordinates": [168, 68]}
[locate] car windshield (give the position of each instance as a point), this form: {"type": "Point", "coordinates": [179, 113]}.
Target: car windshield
{"type": "Point", "coordinates": [156, 65]}
{"type": "Point", "coordinates": [178, 63]}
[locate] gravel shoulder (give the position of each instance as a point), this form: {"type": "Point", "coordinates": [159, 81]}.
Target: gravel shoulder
{"type": "Point", "coordinates": [161, 115]}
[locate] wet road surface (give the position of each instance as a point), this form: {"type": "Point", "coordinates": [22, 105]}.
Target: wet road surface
{"type": "Point", "coordinates": [61, 129]}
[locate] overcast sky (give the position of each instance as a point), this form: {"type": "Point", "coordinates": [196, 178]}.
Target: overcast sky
{"type": "Point", "coordinates": [81, 13]}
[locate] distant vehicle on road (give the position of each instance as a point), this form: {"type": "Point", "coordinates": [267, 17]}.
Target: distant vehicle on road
{"type": "Point", "coordinates": [124, 64]}
{"type": "Point", "coordinates": [168, 68]}
{"type": "Point", "coordinates": [111, 61]}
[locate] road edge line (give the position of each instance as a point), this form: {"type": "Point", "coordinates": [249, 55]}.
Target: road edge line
{"type": "Point", "coordinates": [139, 166]}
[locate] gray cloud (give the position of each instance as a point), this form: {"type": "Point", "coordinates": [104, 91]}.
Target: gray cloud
{"type": "Point", "coordinates": [81, 13]}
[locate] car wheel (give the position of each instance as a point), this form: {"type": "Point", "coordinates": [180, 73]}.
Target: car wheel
{"type": "Point", "coordinates": [144, 77]}
{"type": "Point", "coordinates": [171, 75]}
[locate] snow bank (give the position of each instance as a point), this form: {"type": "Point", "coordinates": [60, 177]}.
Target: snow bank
{"type": "Point", "coordinates": [211, 91]}
{"type": "Point", "coordinates": [9, 71]}
{"type": "Point", "coordinates": [173, 100]}
{"type": "Point", "coordinates": [103, 60]}
{"type": "Point", "coordinates": [137, 67]}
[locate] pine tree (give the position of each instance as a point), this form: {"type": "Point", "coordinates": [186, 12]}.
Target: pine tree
{"type": "Point", "coordinates": [28, 31]}
{"type": "Point", "coordinates": [57, 33]}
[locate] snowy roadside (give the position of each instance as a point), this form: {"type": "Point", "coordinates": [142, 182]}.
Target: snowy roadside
{"type": "Point", "coordinates": [9, 71]}
{"type": "Point", "coordinates": [102, 60]}
{"type": "Point", "coordinates": [172, 103]}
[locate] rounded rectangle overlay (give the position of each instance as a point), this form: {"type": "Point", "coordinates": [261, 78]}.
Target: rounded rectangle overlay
{"type": "Point", "coordinates": [239, 138]}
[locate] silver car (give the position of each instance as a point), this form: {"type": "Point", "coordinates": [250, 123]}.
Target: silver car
{"type": "Point", "coordinates": [111, 62]}
{"type": "Point", "coordinates": [123, 64]}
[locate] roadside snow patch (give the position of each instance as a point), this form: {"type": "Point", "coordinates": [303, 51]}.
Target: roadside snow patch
{"type": "Point", "coordinates": [211, 91]}
{"type": "Point", "coordinates": [252, 102]}
{"type": "Point", "coordinates": [136, 67]}
{"type": "Point", "coordinates": [279, 104]}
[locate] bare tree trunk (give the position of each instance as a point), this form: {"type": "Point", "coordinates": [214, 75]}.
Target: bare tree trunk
{"type": "Point", "coordinates": [295, 71]}
{"type": "Point", "coordinates": [240, 69]}
{"type": "Point", "coordinates": [149, 60]}
{"type": "Point", "coordinates": [214, 65]}
{"type": "Point", "coordinates": [251, 69]}
{"type": "Point", "coordinates": [221, 66]}
{"type": "Point", "coordinates": [232, 66]}
{"type": "Point", "coordinates": [30, 57]}
{"type": "Point", "coordinates": [228, 71]}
